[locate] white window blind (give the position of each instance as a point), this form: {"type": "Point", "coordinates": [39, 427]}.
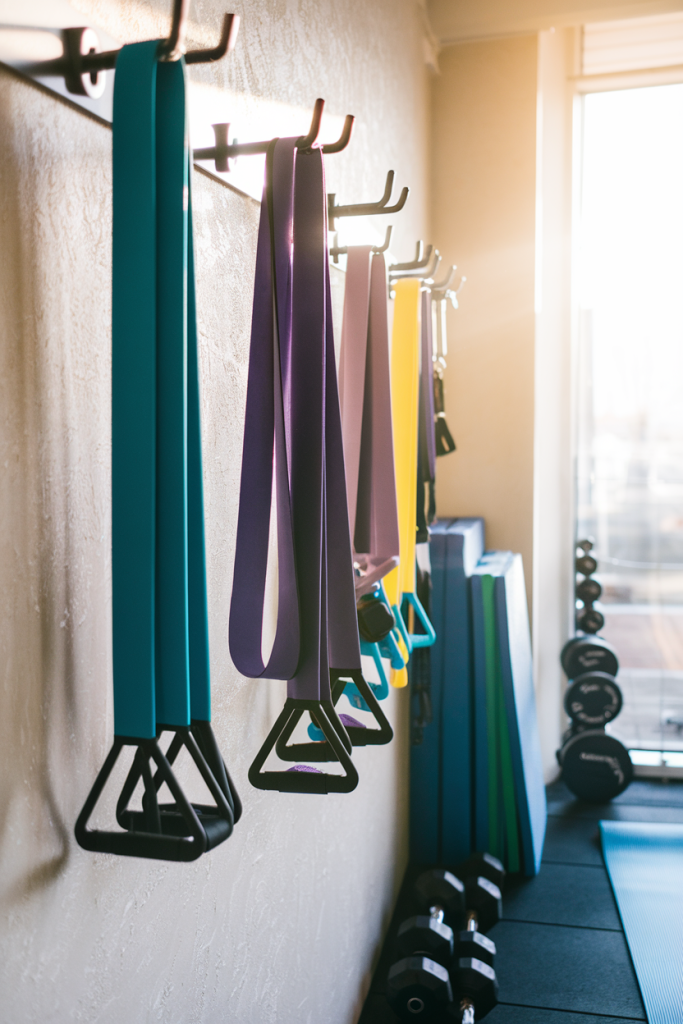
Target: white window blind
{"type": "Point", "coordinates": [655, 42]}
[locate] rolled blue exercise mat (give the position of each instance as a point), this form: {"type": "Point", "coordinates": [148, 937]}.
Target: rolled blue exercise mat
{"type": "Point", "coordinates": [644, 862]}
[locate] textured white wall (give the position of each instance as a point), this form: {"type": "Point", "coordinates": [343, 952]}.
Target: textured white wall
{"type": "Point", "coordinates": [283, 921]}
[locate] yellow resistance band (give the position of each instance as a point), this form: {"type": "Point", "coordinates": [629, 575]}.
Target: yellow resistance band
{"type": "Point", "coordinates": [405, 378]}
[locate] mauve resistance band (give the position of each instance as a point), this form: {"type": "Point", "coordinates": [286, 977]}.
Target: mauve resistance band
{"type": "Point", "coordinates": [160, 627]}
{"type": "Point", "coordinates": [293, 445]}
{"type": "Point", "coordinates": [365, 397]}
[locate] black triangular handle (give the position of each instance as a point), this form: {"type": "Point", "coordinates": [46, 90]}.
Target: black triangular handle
{"type": "Point", "coordinates": [304, 781]}
{"type": "Point", "coordinates": [143, 842]}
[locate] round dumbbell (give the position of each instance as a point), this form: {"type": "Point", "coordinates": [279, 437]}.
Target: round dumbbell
{"type": "Point", "coordinates": [588, 591]}
{"type": "Point", "coordinates": [593, 699]}
{"type": "Point", "coordinates": [595, 767]}
{"type": "Point", "coordinates": [586, 653]}
{"type": "Point", "coordinates": [589, 619]}
{"type": "Point", "coordinates": [586, 565]}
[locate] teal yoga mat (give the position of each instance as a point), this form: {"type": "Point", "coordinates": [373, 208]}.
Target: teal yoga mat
{"type": "Point", "coordinates": [645, 865]}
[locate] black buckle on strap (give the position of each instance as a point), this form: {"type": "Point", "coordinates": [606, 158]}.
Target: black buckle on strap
{"type": "Point", "coordinates": [312, 781]}
{"type": "Point", "coordinates": [179, 831]}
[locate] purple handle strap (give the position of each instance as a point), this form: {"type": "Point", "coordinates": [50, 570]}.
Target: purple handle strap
{"type": "Point", "coordinates": [365, 389]}
{"type": "Point", "coordinates": [293, 440]}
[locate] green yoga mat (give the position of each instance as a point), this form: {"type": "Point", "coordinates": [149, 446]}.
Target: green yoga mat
{"type": "Point", "coordinates": [496, 823]}
{"type": "Point", "coordinates": [645, 866]}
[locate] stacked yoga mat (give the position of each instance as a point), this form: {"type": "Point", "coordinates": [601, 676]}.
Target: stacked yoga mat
{"type": "Point", "coordinates": [476, 775]}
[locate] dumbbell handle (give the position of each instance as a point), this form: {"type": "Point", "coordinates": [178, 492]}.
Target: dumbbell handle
{"type": "Point", "coordinates": [467, 1008]}
{"type": "Point", "coordinates": [436, 912]}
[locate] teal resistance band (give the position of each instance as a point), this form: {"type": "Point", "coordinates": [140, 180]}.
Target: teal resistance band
{"type": "Point", "coordinates": [160, 619]}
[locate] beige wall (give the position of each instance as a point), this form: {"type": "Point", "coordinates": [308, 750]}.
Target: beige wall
{"type": "Point", "coordinates": [483, 219]}
{"type": "Point", "coordinates": [553, 483]}
{"type": "Point", "coordinates": [460, 20]}
{"type": "Point", "coordinates": [283, 922]}
{"type": "Point", "coordinates": [501, 209]}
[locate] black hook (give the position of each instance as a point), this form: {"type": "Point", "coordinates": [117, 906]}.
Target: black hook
{"type": "Point", "coordinates": [337, 251]}
{"type": "Point", "coordinates": [367, 209]}
{"type": "Point", "coordinates": [419, 263]}
{"type": "Point", "coordinates": [82, 64]}
{"type": "Point", "coordinates": [224, 151]}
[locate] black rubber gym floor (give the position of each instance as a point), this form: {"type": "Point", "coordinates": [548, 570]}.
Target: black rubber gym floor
{"type": "Point", "coordinates": [561, 953]}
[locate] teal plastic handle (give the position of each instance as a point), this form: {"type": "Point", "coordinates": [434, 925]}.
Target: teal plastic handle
{"type": "Point", "coordinates": [389, 648]}
{"type": "Point", "coordinates": [427, 638]}
{"type": "Point", "coordinates": [403, 630]}
{"type": "Point", "coordinates": [374, 651]}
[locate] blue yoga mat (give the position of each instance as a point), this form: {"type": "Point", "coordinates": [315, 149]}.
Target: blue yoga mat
{"type": "Point", "coordinates": [645, 866]}
{"type": "Point", "coordinates": [464, 548]}
{"type": "Point", "coordinates": [514, 642]}
{"type": "Point", "coordinates": [425, 758]}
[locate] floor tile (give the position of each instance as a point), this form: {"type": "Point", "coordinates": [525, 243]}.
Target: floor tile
{"type": "Point", "coordinates": [572, 840]}
{"type": "Point", "coordinates": [503, 1014]}
{"type": "Point", "coordinates": [577, 969]}
{"type": "Point", "coordinates": [566, 894]}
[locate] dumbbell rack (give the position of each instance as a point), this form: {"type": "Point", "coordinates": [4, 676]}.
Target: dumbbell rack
{"type": "Point", "coordinates": [587, 590]}
{"type": "Point", "coordinates": [595, 766]}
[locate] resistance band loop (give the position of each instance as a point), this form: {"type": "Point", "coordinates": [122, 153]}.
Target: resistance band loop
{"type": "Point", "coordinates": [160, 620]}
{"type": "Point", "coordinates": [293, 442]}
{"type": "Point", "coordinates": [405, 354]}
{"type": "Point", "coordinates": [365, 396]}
{"type": "Point", "coordinates": [426, 445]}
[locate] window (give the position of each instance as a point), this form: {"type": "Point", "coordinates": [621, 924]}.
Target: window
{"type": "Point", "coordinates": [630, 399]}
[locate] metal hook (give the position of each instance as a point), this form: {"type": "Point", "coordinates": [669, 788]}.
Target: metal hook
{"type": "Point", "coordinates": [452, 294]}
{"type": "Point", "coordinates": [231, 27]}
{"type": "Point", "coordinates": [224, 152]}
{"type": "Point", "coordinates": [419, 263]}
{"type": "Point", "coordinates": [428, 276]}
{"type": "Point", "coordinates": [367, 209]}
{"type": "Point", "coordinates": [337, 251]}
{"type": "Point", "coordinates": [344, 139]}
{"type": "Point", "coordinates": [82, 64]}
{"type": "Point", "coordinates": [306, 141]}
{"type": "Point", "coordinates": [443, 286]}
{"type": "Point", "coordinates": [174, 47]}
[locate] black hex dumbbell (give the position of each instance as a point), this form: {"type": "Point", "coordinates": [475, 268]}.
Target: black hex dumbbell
{"type": "Point", "coordinates": [419, 984]}
{"type": "Point", "coordinates": [476, 990]}
{"type": "Point", "coordinates": [418, 988]}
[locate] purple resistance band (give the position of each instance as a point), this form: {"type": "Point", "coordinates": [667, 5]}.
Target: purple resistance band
{"type": "Point", "coordinates": [293, 441]}
{"type": "Point", "coordinates": [365, 393]}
